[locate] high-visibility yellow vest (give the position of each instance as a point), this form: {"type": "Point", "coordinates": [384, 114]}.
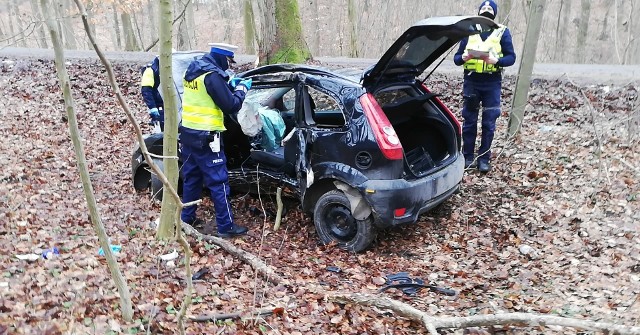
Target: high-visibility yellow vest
{"type": "Point", "coordinates": [491, 45]}
{"type": "Point", "coordinates": [147, 78]}
{"type": "Point", "coordinates": [199, 111]}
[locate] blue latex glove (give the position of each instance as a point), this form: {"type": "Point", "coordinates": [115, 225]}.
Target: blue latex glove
{"type": "Point", "coordinates": [155, 115]}
{"type": "Point", "coordinates": [233, 82]}
{"type": "Point", "coordinates": [246, 83]}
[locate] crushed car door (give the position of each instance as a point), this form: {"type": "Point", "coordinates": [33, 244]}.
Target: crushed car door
{"type": "Point", "coordinates": [297, 159]}
{"type": "Point", "coordinates": [303, 138]}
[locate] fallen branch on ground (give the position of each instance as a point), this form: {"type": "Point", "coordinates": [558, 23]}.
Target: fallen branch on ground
{"type": "Point", "coordinates": [432, 323]}
{"type": "Point", "coordinates": [276, 226]}
{"type": "Point", "coordinates": [246, 257]}
{"type": "Point", "coordinates": [236, 315]}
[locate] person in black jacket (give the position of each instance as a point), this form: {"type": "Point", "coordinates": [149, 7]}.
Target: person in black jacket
{"type": "Point", "coordinates": [149, 84]}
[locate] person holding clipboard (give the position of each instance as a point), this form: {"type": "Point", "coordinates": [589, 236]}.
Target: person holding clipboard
{"type": "Point", "coordinates": [483, 56]}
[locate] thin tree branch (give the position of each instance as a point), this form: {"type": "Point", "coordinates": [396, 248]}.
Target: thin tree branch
{"type": "Point", "coordinates": [528, 319]}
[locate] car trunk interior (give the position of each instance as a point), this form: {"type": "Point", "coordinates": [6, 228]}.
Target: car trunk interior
{"type": "Point", "coordinates": [426, 135]}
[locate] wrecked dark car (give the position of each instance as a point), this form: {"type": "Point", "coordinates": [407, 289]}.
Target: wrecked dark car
{"type": "Point", "coordinates": [361, 154]}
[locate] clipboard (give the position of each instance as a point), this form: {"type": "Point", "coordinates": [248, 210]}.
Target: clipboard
{"type": "Point", "coordinates": [478, 53]}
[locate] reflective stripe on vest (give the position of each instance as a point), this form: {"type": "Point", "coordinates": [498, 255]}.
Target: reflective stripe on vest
{"type": "Point", "coordinates": [199, 112]}
{"type": "Point", "coordinates": [147, 78]}
{"type": "Point", "coordinates": [491, 44]}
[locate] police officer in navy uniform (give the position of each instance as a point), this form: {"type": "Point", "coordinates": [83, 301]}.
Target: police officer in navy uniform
{"type": "Point", "coordinates": [483, 56]}
{"type": "Point", "coordinates": [208, 97]}
{"type": "Point", "coordinates": [149, 84]}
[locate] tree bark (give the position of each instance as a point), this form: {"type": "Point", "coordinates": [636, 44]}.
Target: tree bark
{"type": "Point", "coordinates": [284, 42]}
{"type": "Point", "coordinates": [153, 20]}
{"type": "Point", "coordinates": [167, 228]}
{"type": "Point", "coordinates": [37, 16]}
{"type": "Point", "coordinates": [130, 40]}
{"type": "Point", "coordinates": [249, 28]}
{"type": "Point", "coordinates": [191, 25]}
{"type": "Point", "coordinates": [67, 24]}
{"type": "Point", "coordinates": [353, 29]}
{"type": "Point", "coordinates": [583, 31]}
{"type": "Point", "coordinates": [504, 12]}
{"type": "Point", "coordinates": [318, 39]}
{"type": "Point", "coordinates": [433, 323]}
{"type": "Point", "coordinates": [19, 35]}
{"type": "Point", "coordinates": [65, 86]}
{"type": "Point", "coordinates": [521, 94]}
{"type": "Point", "coordinates": [90, 10]}
{"type": "Point", "coordinates": [183, 29]}
{"type": "Point", "coordinates": [559, 34]}
{"type": "Point", "coordinates": [116, 27]}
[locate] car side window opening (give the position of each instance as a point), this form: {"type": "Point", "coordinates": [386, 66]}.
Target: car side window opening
{"type": "Point", "coordinates": [261, 117]}
{"type": "Point", "coordinates": [324, 110]}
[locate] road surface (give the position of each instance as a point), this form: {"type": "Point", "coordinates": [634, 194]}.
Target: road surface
{"type": "Point", "coordinates": [588, 74]}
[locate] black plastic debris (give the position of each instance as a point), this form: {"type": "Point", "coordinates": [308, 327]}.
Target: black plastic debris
{"type": "Point", "coordinates": [411, 286]}
{"type": "Point", "coordinates": [334, 269]}
{"type": "Point", "coordinates": [200, 273]}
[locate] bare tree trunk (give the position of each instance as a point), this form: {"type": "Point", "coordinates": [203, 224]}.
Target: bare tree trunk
{"type": "Point", "coordinates": [183, 32]}
{"type": "Point", "coordinates": [90, 11]}
{"type": "Point", "coordinates": [67, 24]}
{"type": "Point", "coordinates": [116, 27]}
{"type": "Point", "coordinates": [353, 29]}
{"type": "Point", "coordinates": [504, 12]}
{"type": "Point", "coordinates": [318, 25]}
{"type": "Point", "coordinates": [190, 15]}
{"type": "Point", "coordinates": [12, 32]}
{"type": "Point", "coordinates": [130, 40]}
{"type": "Point", "coordinates": [583, 31]}
{"type": "Point", "coordinates": [171, 206]}
{"type": "Point", "coordinates": [153, 20]}
{"type": "Point", "coordinates": [288, 44]}
{"type": "Point", "coordinates": [138, 31]}
{"type": "Point", "coordinates": [19, 35]}
{"type": "Point", "coordinates": [282, 33]}
{"type": "Point", "coordinates": [37, 17]}
{"type": "Point", "coordinates": [521, 94]}
{"type": "Point", "coordinates": [65, 86]}
{"type": "Point", "coordinates": [559, 34]}
{"type": "Point", "coordinates": [249, 28]}
{"type": "Point", "coordinates": [634, 40]}
{"type": "Point", "coordinates": [167, 228]}
{"type": "Point", "coordinates": [224, 8]}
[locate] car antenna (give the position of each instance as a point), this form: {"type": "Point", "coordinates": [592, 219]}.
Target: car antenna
{"type": "Point", "coordinates": [440, 62]}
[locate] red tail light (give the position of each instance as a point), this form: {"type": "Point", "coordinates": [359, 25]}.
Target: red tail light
{"type": "Point", "coordinates": [455, 121]}
{"type": "Point", "coordinates": [386, 136]}
{"type": "Point", "coordinates": [399, 212]}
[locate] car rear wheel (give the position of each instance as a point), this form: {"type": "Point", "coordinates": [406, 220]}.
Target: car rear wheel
{"type": "Point", "coordinates": [335, 223]}
{"type": "Point", "coordinates": [156, 183]}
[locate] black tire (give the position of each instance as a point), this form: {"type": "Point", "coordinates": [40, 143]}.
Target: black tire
{"type": "Point", "coordinates": [334, 223]}
{"type": "Point", "coordinates": [156, 183]}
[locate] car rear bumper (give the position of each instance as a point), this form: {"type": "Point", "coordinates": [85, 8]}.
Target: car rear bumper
{"type": "Point", "coordinates": [415, 196]}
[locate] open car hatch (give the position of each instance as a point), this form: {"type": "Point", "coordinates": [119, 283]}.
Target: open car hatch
{"type": "Point", "coordinates": [419, 46]}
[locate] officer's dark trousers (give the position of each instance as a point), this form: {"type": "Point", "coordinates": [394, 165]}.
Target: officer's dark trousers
{"type": "Point", "coordinates": [487, 93]}
{"type": "Point", "coordinates": [201, 167]}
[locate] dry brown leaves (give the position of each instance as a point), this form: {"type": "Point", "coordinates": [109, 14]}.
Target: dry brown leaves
{"type": "Point", "coordinates": [552, 229]}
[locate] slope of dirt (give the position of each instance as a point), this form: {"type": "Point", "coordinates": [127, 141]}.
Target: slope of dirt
{"type": "Point", "coordinates": [552, 229]}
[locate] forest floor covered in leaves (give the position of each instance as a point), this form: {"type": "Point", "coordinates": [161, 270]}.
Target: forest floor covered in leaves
{"type": "Point", "coordinates": [553, 229]}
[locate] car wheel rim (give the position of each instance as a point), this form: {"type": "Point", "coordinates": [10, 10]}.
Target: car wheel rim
{"type": "Point", "coordinates": [340, 222]}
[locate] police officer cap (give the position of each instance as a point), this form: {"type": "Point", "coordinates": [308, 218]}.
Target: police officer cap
{"type": "Point", "coordinates": [223, 49]}
{"type": "Point", "coordinates": [488, 8]}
